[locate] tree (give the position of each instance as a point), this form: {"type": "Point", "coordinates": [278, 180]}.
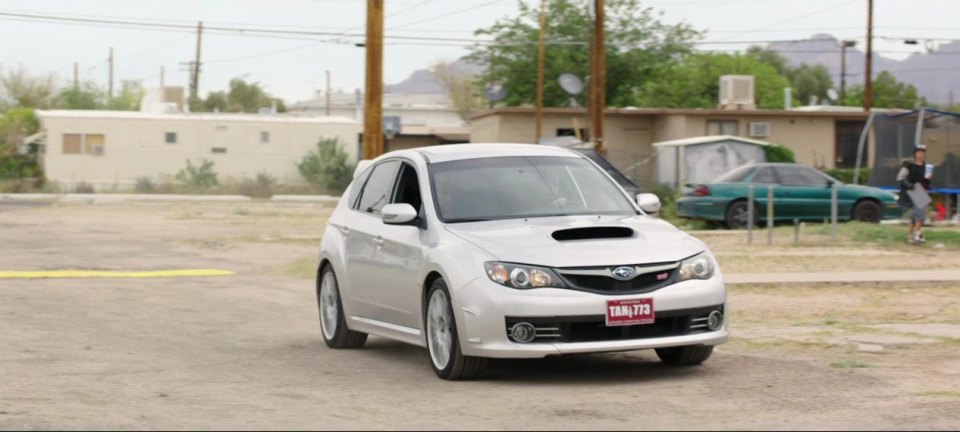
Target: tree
{"type": "Point", "coordinates": [327, 167]}
{"type": "Point", "coordinates": [21, 89]}
{"type": "Point", "coordinates": [461, 87]}
{"type": "Point", "coordinates": [15, 125]}
{"type": "Point", "coordinates": [638, 47]}
{"type": "Point", "coordinates": [808, 81]}
{"type": "Point", "coordinates": [695, 82]}
{"type": "Point", "coordinates": [887, 93]}
{"type": "Point", "coordinates": [131, 92]}
{"type": "Point", "coordinates": [85, 96]}
{"type": "Point", "coordinates": [240, 97]}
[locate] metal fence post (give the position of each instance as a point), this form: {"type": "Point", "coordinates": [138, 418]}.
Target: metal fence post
{"type": "Point", "coordinates": [750, 214]}
{"type": "Point", "coordinates": [796, 231]}
{"type": "Point", "coordinates": [769, 215]}
{"type": "Point", "coordinates": [833, 211]}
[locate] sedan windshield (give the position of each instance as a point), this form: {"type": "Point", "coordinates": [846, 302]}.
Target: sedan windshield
{"type": "Point", "coordinates": [521, 187]}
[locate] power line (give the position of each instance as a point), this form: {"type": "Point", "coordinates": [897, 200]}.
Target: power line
{"type": "Point", "coordinates": [456, 12]}
{"type": "Point", "coordinates": [818, 11]}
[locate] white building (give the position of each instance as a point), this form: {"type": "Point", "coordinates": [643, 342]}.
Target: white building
{"type": "Point", "coordinates": [105, 148]}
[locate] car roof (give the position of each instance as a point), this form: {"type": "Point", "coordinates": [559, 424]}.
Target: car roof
{"type": "Point", "coordinates": [451, 152]}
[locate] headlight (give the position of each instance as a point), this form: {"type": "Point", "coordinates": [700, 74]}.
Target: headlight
{"type": "Point", "coordinates": [698, 267]}
{"type": "Point", "coordinates": [522, 276]}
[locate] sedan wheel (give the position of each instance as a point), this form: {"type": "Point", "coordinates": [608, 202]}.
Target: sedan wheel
{"type": "Point", "coordinates": [737, 215]}
{"type": "Point", "coordinates": [333, 324]}
{"type": "Point", "coordinates": [867, 211]}
{"type": "Point", "coordinates": [442, 341]}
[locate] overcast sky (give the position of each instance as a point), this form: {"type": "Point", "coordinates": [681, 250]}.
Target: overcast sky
{"type": "Point", "coordinates": [294, 68]}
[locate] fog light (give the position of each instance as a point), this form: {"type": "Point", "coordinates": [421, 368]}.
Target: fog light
{"type": "Point", "coordinates": [523, 332]}
{"type": "Point", "coordinates": [715, 320]}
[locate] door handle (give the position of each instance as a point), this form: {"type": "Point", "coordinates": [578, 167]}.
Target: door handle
{"type": "Point", "coordinates": [378, 240]}
{"type": "Point", "coordinates": [344, 230]}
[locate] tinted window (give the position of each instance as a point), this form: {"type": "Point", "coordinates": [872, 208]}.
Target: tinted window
{"type": "Point", "coordinates": [408, 188]}
{"type": "Point", "coordinates": [800, 176]}
{"type": "Point", "coordinates": [376, 193]}
{"type": "Point", "coordinates": [518, 187]}
{"type": "Point", "coordinates": [735, 176]}
{"type": "Point", "coordinates": [765, 176]}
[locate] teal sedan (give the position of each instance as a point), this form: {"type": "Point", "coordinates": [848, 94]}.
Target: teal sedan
{"type": "Point", "coordinates": [799, 192]}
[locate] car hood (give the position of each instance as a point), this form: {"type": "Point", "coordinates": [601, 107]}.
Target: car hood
{"type": "Point", "coordinates": [531, 241]}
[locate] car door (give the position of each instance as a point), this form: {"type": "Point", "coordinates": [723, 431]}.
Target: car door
{"type": "Point", "coordinates": [398, 255]}
{"type": "Point", "coordinates": [806, 194]}
{"type": "Point", "coordinates": [763, 180]}
{"type": "Point", "coordinates": [361, 231]}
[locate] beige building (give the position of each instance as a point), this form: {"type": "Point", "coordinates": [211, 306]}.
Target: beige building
{"type": "Point", "coordinates": [105, 148]}
{"type": "Point", "coordinates": [821, 138]}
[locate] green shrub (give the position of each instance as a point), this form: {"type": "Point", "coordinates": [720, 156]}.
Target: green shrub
{"type": "Point", "coordinates": [846, 174]}
{"type": "Point", "coordinates": [199, 178]}
{"type": "Point", "coordinates": [144, 185]}
{"type": "Point", "coordinates": [778, 153]}
{"type": "Point", "coordinates": [261, 187]}
{"type": "Point", "coordinates": [327, 167]}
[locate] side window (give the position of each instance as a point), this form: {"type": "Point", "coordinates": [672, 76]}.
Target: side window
{"type": "Point", "coordinates": [765, 176]}
{"type": "Point", "coordinates": [357, 185]}
{"type": "Point", "coordinates": [376, 193]}
{"type": "Point", "coordinates": [798, 176]}
{"type": "Point", "coordinates": [408, 188]}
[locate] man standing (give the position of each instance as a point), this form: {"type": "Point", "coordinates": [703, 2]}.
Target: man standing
{"type": "Point", "coordinates": [914, 178]}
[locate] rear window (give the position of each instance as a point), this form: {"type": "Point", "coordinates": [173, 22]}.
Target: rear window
{"type": "Point", "coordinates": [736, 176]}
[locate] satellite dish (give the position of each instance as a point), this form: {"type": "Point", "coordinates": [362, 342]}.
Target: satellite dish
{"type": "Point", "coordinates": [832, 94]}
{"type": "Point", "coordinates": [571, 83]}
{"type": "Point", "coordinates": [495, 93]}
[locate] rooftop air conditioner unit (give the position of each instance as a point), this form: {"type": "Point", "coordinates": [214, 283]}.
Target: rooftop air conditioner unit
{"type": "Point", "coordinates": [736, 92]}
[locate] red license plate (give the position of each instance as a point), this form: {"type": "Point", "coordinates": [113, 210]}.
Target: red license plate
{"type": "Point", "coordinates": [629, 312]}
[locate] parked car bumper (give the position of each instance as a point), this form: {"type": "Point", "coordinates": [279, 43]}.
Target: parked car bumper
{"type": "Point", "coordinates": [487, 310]}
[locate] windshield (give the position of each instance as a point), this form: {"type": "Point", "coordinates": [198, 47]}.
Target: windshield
{"type": "Point", "coordinates": [522, 187]}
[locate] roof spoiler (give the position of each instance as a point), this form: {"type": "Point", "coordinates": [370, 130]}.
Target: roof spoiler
{"type": "Point", "coordinates": [362, 165]}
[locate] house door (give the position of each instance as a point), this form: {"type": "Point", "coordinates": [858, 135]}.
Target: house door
{"type": "Point", "coordinates": [848, 138]}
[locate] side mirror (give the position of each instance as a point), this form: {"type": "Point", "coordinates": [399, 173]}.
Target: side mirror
{"type": "Point", "coordinates": [648, 202]}
{"type": "Point", "coordinates": [398, 213]}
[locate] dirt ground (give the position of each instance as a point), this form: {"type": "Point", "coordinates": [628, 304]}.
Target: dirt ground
{"type": "Point", "coordinates": [245, 352]}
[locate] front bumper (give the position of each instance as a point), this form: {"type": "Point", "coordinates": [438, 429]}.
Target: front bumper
{"type": "Point", "coordinates": [483, 308]}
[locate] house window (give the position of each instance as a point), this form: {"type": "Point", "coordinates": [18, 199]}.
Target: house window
{"type": "Point", "coordinates": [72, 143]}
{"type": "Point", "coordinates": [170, 138]}
{"type": "Point", "coordinates": [91, 144]}
{"type": "Point", "coordinates": [218, 149]}
{"type": "Point", "coordinates": [264, 137]}
{"type": "Point", "coordinates": [722, 127]}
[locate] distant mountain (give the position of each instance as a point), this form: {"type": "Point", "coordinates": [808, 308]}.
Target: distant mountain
{"type": "Point", "coordinates": [422, 81]}
{"type": "Point", "coordinates": [934, 74]}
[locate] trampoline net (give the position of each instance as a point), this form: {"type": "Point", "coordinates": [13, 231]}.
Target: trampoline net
{"type": "Point", "coordinates": [895, 137]}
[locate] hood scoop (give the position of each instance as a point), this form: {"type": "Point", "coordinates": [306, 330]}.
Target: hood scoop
{"type": "Point", "coordinates": [591, 233]}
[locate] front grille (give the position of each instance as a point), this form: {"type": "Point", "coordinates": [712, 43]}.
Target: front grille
{"type": "Point", "coordinates": [645, 281]}
{"type": "Point", "coordinates": [593, 328]}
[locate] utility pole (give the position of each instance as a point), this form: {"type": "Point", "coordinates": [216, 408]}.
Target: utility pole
{"type": "Point", "coordinates": [868, 84]}
{"type": "Point", "coordinates": [110, 79]}
{"type": "Point", "coordinates": [373, 99]}
{"type": "Point", "coordinates": [76, 75]}
{"type": "Point", "coordinates": [327, 93]}
{"type": "Point", "coordinates": [843, 67]}
{"type": "Point", "coordinates": [540, 65]}
{"type": "Point", "coordinates": [195, 81]}
{"type": "Point", "coordinates": [598, 74]}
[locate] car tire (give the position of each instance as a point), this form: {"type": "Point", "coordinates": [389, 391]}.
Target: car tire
{"type": "Point", "coordinates": [736, 216]}
{"type": "Point", "coordinates": [867, 211]}
{"type": "Point", "coordinates": [685, 355]}
{"type": "Point", "coordinates": [443, 342]}
{"type": "Point", "coordinates": [333, 323]}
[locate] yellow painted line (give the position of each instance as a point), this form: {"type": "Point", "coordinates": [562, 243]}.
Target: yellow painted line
{"type": "Point", "coordinates": [65, 274]}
